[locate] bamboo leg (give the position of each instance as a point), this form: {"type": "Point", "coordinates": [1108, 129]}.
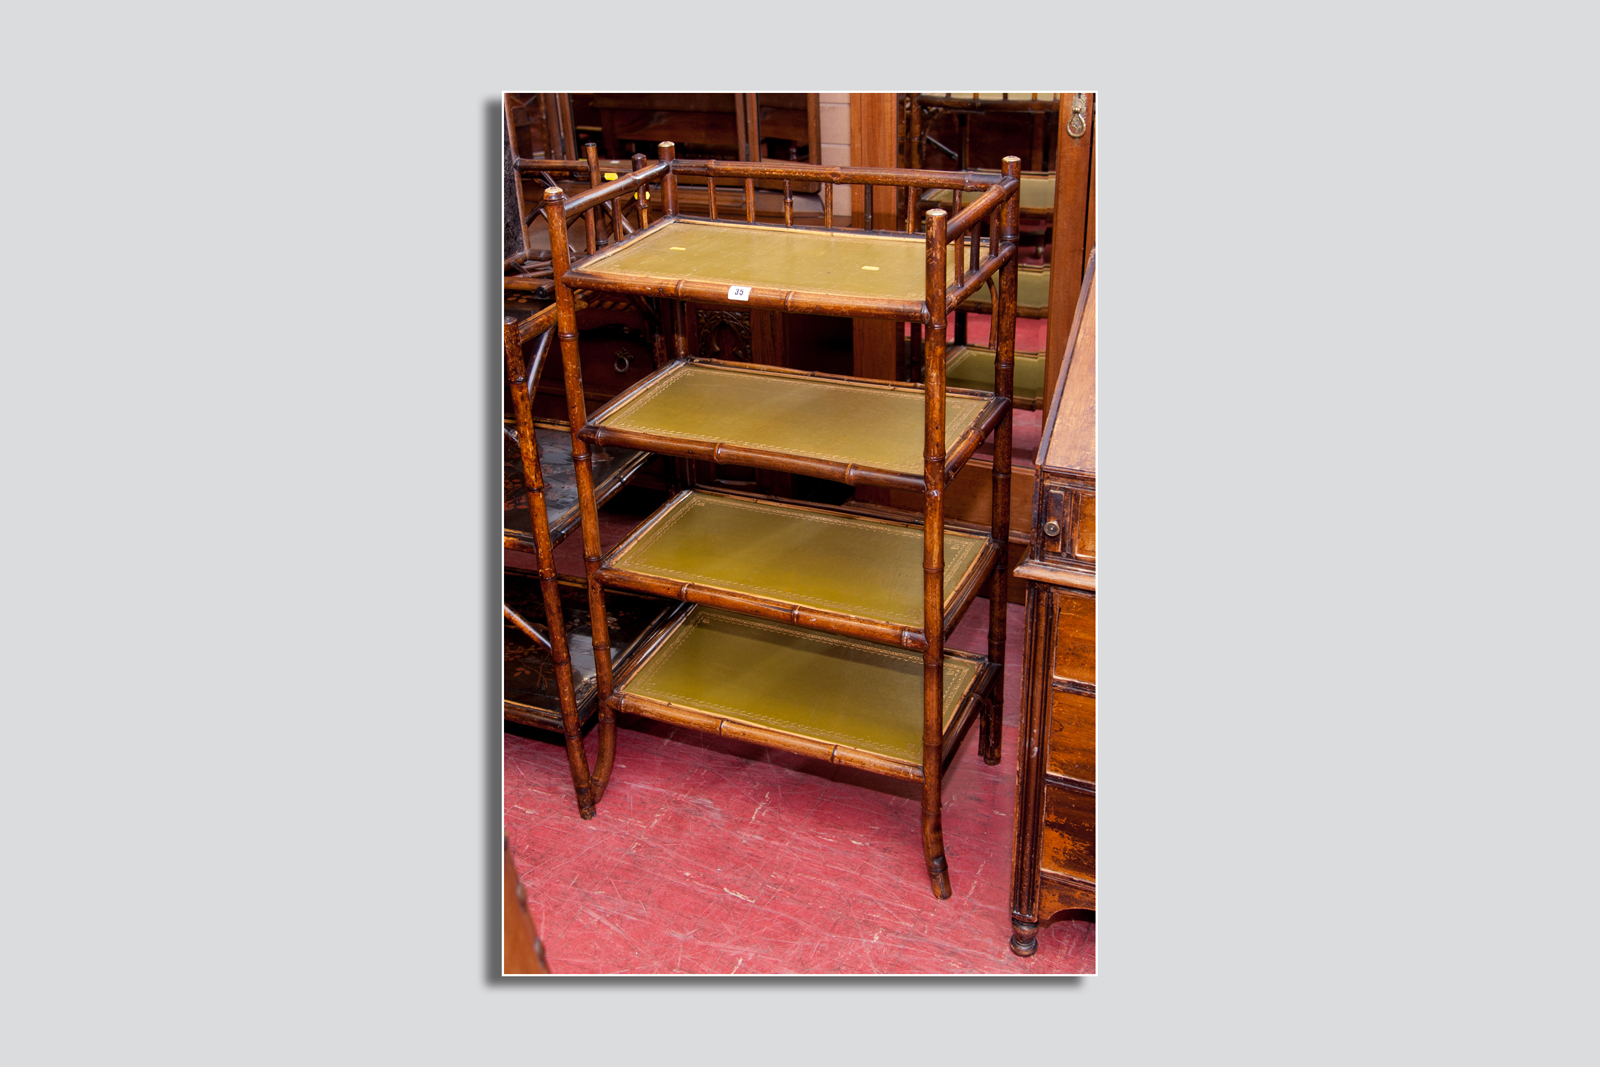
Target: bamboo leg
{"type": "Point", "coordinates": [933, 564]}
{"type": "Point", "coordinates": [533, 481]}
{"type": "Point", "coordinates": [566, 324]}
{"type": "Point", "coordinates": [1004, 337]}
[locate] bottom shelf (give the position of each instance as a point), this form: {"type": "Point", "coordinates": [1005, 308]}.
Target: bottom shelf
{"type": "Point", "coordinates": [835, 698]}
{"type": "Point", "coordinates": [529, 692]}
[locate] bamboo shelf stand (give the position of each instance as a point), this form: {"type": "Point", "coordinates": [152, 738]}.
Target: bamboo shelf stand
{"type": "Point", "coordinates": [812, 629]}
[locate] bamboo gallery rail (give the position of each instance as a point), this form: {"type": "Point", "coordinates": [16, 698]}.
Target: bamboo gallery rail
{"type": "Point", "coordinates": [917, 278]}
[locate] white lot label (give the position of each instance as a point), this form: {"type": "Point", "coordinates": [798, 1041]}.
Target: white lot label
{"type": "Point", "coordinates": [738, 292]}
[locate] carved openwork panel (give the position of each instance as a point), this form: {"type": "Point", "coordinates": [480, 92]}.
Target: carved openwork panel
{"type": "Point", "coordinates": [723, 333]}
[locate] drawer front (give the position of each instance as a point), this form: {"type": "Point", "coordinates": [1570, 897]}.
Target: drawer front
{"type": "Point", "coordinates": [1084, 545]}
{"type": "Point", "coordinates": [1066, 844]}
{"type": "Point", "coordinates": [1074, 637]}
{"type": "Point", "coordinates": [1070, 741]}
{"type": "Point", "coordinates": [613, 359]}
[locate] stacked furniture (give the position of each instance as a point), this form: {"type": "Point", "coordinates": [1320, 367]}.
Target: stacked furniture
{"type": "Point", "coordinates": [808, 628]}
{"type": "Point", "coordinates": [1053, 849]}
{"type": "Point", "coordinates": [544, 686]}
{"type": "Point", "coordinates": [997, 121]}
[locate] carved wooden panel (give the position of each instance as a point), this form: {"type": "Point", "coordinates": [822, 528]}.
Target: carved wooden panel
{"type": "Point", "coordinates": [723, 333]}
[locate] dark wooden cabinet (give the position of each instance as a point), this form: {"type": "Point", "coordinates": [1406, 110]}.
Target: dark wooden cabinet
{"type": "Point", "coordinates": [1053, 853]}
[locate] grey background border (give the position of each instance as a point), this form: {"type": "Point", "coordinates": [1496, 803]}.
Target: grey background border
{"type": "Point", "coordinates": [1342, 404]}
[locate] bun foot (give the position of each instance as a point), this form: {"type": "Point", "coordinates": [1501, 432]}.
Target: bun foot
{"type": "Point", "coordinates": [1024, 938]}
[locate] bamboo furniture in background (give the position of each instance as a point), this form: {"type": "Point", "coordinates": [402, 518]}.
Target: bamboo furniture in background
{"type": "Point", "coordinates": [779, 651]}
{"type": "Point", "coordinates": [551, 512]}
{"type": "Point", "coordinates": [1053, 847]}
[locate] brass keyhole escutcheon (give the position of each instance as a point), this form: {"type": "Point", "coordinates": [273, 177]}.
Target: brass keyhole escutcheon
{"type": "Point", "coordinates": [1052, 529]}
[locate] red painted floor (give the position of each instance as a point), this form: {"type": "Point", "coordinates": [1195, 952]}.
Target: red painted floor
{"type": "Point", "coordinates": [711, 856]}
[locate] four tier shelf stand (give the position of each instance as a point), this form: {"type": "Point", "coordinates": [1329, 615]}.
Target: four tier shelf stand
{"type": "Point", "coordinates": [813, 629]}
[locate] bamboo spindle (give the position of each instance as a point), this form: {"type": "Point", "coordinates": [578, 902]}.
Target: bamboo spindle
{"type": "Point", "coordinates": [642, 194]}
{"type": "Point", "coordinates": [665, 153]}
{"type": "Point", "coordinates": [591, 237]}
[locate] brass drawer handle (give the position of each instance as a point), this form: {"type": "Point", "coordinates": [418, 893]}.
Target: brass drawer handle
{"type": "Point", "coordinates": [1076, 123]}
{"type": "Point", "coordinates": [623, 361]}
{"type": "Point", "coordinates": [1052, 529]}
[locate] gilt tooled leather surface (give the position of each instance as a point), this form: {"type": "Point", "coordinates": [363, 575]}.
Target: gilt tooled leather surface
{"type": "Point", "coordinates": [834, 689]}
{"type": "Point", "coordinates": [815, 559]}
{"type": "Point", "coordinates": [839, 421]}
{"type": "Point", "coordinates": [971, 367]}
{"type": "Point", "coordinates": [802, 260]}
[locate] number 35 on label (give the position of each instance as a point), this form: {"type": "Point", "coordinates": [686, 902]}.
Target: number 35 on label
{"type": "Point", "coordinates": [738, 292]}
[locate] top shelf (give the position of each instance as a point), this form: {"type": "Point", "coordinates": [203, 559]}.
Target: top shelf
{"type": "Point", "coordinates": [844, 272]}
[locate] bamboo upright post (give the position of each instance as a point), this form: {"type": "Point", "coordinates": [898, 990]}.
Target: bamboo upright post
{"type": "Point", "coordinates": [933, 561]}
{"type": "Point", "coordinates": [1003, 335]}
{"type": "Point", "coordinates": [666, 151]}
{"type": "Point", "coordinates": [583, 464]}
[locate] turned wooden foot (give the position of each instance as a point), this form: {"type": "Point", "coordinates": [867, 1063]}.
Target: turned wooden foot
{"type": "Point", "coordinates": [939, 875]}
{"type": "Point", "coordinates": [1024, 937]}
{"type": "Point", "coordinates": [989, 733]}
{"type": "Point", "coordinates": [585, 802]}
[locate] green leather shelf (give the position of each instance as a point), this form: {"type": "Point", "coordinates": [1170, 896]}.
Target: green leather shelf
{"type": "Point", "coordinates": [972, 367]}
{"type": "Point", "coordinates": [834, 697]}
{"type": "Point", "coordinates": [820, 262]}
{"type": "Point", "coordinates": [1038, 193]}
{"type": "Point", "coordinates": [785, 555]}
{"type": "Point", "coordinates": [850, 430]}
{"type": "Point", "coordinates": [1033, 291]}
{"type": "Point", "coordinates": [612, 469]}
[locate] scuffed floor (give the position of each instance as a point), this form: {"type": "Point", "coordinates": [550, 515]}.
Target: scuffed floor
{"type": "Point", "coordinates": [713, 856]}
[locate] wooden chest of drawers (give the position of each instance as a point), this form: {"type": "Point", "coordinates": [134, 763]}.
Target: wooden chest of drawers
{"type": "Point", "coordinates": [1053, 852]}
